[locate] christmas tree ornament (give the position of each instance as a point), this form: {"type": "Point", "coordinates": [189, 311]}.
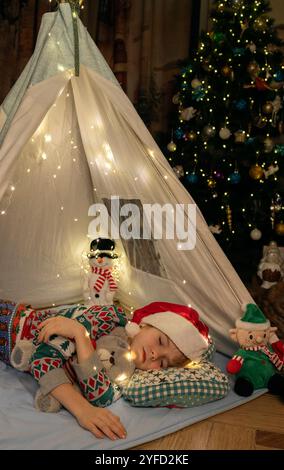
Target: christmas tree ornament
{"type": "Point", "coordinates": [192, 178]}
{"type": "Point", "coordinates": [219, 37]}
{"type": "Point", "coordinates": [240, 105]}
{"type": "Point", "coordinates": [279, 75]}
{"type": "Point", "coordinates": [179, 133]}
{"type": "Point", "coordinates": [240, 136]}
{"type": "Point", "coordinates": [188, 113]}
{"type": "Point", "coordinates": [267, 107]}
{"type": "Point", "coordinates": [209, 131]}
{"type": "Point", "coordinates": [279, 229]}
{"type": "Point", "coordinates": [277, 202]}
{"type": "Point", "coordinates": [277, 106]}
{"type": "Point", "coordinates": [272, 170]}
{"type": "Point", "coordinates": [256, 172]}
{"type": "Point", "coordinates": [253, 69]}
{"type": "Point", "coordinates": [279, 150]}
{"type": "Point", "coordinates": [215, 229]}
{"type": "Point", "coordinates": [225, 133]}
{"type": "Point", "coordinates": [219, 175]}
{"type": "Point", "coordinates": [206, 65]}
{"type": "Point", "coordinates": [276, 207]}
{"type": "Point", "coordinates": [252, 47]}
{"type": "Point", "coordinates": [268, 145]}
{"type": "Point", "coordinates": [172, 147]}
{"type": "Point", "coordinates": [260, 121]}
{"type": "Point", "coordinates": [211, 183]}
{"type": "Point", "coordinates": [198, 94]}
{"type": "Point", "coordinates": [260, 24]}
{"type": "Point", "coordinates": [176, 99]}
{"type": "Point", "coordinates": [191, 136]}
{"type": "Point", "coordinates": [229, 217]}
{"type": "Point", "coordinates": [235, 177]}
{"type": "Point", "coordinates": [196, 83]}
{"type": "Point", "coordinates": [239, 51]}
{"type": "Point", "coordinates": [226, 71]}
{"type": "Point", "coordinates": [261, 84]}
{"type": "Point", "coordinates": [256, 234]}
{"type": "Point", "coordinates": [237, 4]}
{"type": "Point", "coordinates": [179, 171]}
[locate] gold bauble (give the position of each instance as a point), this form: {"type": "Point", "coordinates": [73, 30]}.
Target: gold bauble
{"type": "Point", "coordinates": [192, 136]}
{"type": "Point", "coordinates": [226, 71]}
{"type": "Point", "coordinates": [267, 107]}
{"type": "Point", "coordinates": [211, 183]}
{"type": "Point", "coordinates": [256, 172]}
{"type": "Point", "coordinates": [279, 229]}
{"type": "Point", "coordinates": [260, 23]}
{"type": "Point", "coordinates": [172, 147]}
{"type": "Point", "coordinates": [253, 68]}
{"type": "Point", "coordinates": [268, 145]}
{"type": "Point", "coordinates": [240, 137]}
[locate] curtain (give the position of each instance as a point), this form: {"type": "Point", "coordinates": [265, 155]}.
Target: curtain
{"type": "Point", "coordinates": [143, 41]}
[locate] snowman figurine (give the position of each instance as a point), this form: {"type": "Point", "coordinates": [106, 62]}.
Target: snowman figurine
{"type": "Point", "coordinates": [101, 283]}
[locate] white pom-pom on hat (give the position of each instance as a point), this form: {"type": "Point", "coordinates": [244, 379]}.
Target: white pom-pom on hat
{"type": "Point", "coordinates": [132, 329]}
{"type": "Point", "coordinates": [244, 307]}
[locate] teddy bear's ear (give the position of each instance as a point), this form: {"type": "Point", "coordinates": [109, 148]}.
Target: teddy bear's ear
{"type": "Point", "coordinates": [233, 334]}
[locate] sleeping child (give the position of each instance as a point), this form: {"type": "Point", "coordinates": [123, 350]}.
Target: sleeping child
{"type": "Point", "coordinates": [58, 347]}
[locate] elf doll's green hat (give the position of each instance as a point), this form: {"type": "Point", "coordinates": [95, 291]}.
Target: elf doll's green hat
{"type": "Point", "coordinates": [253, 319]}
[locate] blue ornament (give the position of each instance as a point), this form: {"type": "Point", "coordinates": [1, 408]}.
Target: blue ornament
{"type": "Point", "coordinates": [179, 133]}
{"type": "Point", "coordinates": [238, 51]}
{"type": "Point", "coordinates": [240, 105]}
{"type": "Point", "coordinates": [235, 177]}
{"type": "Point", "coordinates": [250, 141]}
{"type": "Point", "coordinates": [279, 149]}
{"type": "Point", "coordinates": [192, 178]}
{"type": "Point", "coordinates": [198, 94]}
{"type": "Point", "coordinates": [279, 75]}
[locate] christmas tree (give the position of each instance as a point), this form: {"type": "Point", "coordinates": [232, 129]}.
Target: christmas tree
{"type": "Point", "coordinates": [226, 142]}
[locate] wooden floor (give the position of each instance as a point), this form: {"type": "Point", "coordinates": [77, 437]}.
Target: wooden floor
{"type": "Point", "coordinates": [257, 425]}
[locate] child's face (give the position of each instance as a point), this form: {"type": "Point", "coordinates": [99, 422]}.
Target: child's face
{"type": "Point", "coordinates": [152, 349]}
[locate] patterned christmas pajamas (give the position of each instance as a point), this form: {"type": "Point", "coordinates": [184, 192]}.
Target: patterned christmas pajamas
{"type": "Point", "coordinates": [52, 362]}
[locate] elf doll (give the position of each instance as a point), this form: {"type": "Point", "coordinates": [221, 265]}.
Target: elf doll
{"type": "Point", "coordinates": [260, 358]}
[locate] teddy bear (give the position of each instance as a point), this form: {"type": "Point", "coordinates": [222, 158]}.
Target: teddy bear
{"type": "Point", "coordinates": [113, 351]}
{"type": "Point", "coordinates": [101, 285]}
{"type": "Point", "coordinates": [260, 359]}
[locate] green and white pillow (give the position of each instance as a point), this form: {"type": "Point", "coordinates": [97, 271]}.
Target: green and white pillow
{"type": "Point", "coordinates": [181, 387]}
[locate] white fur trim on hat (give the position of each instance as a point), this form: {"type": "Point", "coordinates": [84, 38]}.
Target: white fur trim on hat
{"type": "Point", "coordinates": [181, 331]}
{"type": "Point", "coordinates": [244, 325]}
{"type": "Point", "coordinates": [132, 329]}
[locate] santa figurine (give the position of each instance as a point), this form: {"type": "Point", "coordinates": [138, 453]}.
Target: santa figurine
{"type": "Point", "coordinates": [270, 269]}
{"type": "Point", "coordinates": [102, 285]}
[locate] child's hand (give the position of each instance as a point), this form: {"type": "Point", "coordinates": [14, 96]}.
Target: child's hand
{"type": "Point", "coordinates": [61, 326]}
{"type": "Point", "coordinates": [102, 423]}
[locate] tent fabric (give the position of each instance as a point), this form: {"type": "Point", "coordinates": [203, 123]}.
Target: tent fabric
{"type": "Point", "coordinates": [22, 427]}
{"type": "Point", "coordinates": [54, 52]}
{"type": "Point", "coordinates": [76, 141]}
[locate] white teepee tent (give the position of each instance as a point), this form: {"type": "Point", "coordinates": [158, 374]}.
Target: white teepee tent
{"type": "Point", "coordinates": [68, 142]}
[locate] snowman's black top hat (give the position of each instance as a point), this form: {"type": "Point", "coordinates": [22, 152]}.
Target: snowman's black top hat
{"type": "Point", "coordinates": [102, 247]}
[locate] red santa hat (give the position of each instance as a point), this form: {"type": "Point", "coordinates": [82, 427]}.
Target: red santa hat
{"type": "Point", "coordinates": [180, 323]}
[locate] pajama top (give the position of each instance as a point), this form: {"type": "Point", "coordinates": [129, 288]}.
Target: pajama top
{"type": "Point", "coordinates": [51, 361]}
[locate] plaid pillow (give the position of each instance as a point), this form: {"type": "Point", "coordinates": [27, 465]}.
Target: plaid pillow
{"type": "Point", "coordinates": [180, 387]}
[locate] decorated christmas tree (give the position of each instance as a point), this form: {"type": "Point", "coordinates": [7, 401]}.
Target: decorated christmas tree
{"type": "Point", "coordinates": [227, 145]}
